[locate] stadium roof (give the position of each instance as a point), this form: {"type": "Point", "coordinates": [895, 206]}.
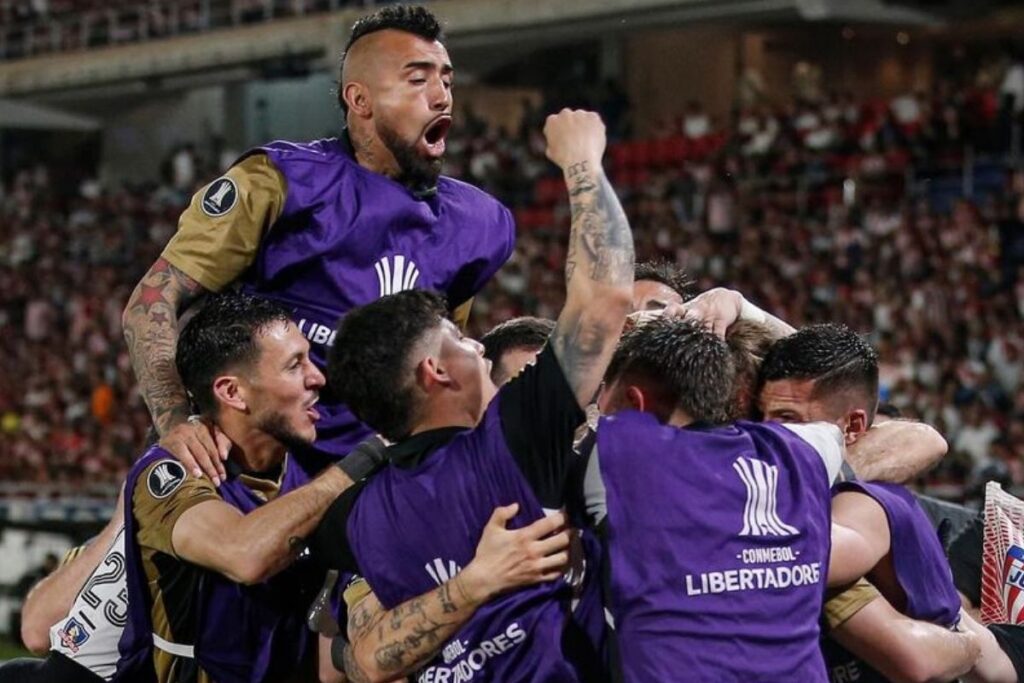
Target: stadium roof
{"type": "Point", "coordinates": [22, 116]}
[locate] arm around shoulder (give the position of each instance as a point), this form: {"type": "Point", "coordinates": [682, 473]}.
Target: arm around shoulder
{"type": "Point", "coordinates": [896, 451]}
{"type": "Point", "coordinates": [905, 650]}
{"type": "Point", "coordinates": [250, 548]}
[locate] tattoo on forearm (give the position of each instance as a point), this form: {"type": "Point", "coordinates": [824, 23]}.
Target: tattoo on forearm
{"type": "Point", "coordinates": [601, 250]}
{"type": "Point", "coordinates": [600, 241]}
{"type": "Point", "coordinates": [447, 604]}
{"type": "Point", "coordinates": [576, 170]}
{"type": "Point", "coordinates": [407, 636]}
{"type": "Point", "coordinates": [150, 331]}
{"type": "Point", "coordinates": [352, 669]}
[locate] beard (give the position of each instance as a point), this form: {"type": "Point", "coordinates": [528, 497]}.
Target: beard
{"type": "Point", "coordinates": [276, 425]}
{"type": "Point", "coordinates": [416, 172]}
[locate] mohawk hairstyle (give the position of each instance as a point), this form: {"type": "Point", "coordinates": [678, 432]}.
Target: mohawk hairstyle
{"type": "Point", "coordinates": [413, 19]}
{"type": "Point", "coordinates": [690, 367]}
{"type": "Point", "coordinates": [834, 356]}
{"type": "Point", "coordinates": [668, 274]}
{"type": "Point", "coordinates": [369, 365]}
{"type": "Point", "coordinates": [221, 336]}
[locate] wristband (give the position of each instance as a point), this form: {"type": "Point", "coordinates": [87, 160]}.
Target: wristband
{"type": "Point", "coordinates": [364, 459]}
{"type": "Point", "coordinates": [749, 311]}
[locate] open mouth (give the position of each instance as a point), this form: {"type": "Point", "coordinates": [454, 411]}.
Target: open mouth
{"type": "Point", "coordinates": [311, 412]}
{"type": "Point", "coordinates": [434, 136]}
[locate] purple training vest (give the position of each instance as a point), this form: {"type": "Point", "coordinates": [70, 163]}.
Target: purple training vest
{"type": "Point", "coordinates": [412, 529]}
{"type": "Point", "coordinates": [247, 634]}
{"type": "Point", "coordinates": [921, 567]}
{"type": "Point", "coordinates": [348, 236]}
{"type": "Point", "coordinates": [718, 544]}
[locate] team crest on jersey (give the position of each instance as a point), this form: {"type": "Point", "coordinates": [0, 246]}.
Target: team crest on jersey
{"type": "Point", "coordinates": [441, 572]}
{"type": "Point", "coordinates": [73, 635]}
{"type": "Point", "coordinates": [165, 478]}
{"type": "Point", "coordinates": [220, 197]}
{"type": "Point", "coordinates": [760, 514]}
{"type": "Point", "coordinates": [1013, 584]}
{"type": "Point", "coordinates": [396, 274]}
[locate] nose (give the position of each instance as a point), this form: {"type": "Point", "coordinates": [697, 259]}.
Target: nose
{"type": "Point", "coordinates": [477, 346]}
{"type": "Point", "coordinates": [314, 378]}
{"type": "Point", "coordinates": [440, 96]}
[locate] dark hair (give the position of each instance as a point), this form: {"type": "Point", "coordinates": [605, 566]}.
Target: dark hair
{"type": "Point", "coordinates": [412, 19]}
{"type": "Point", "coordinates": [688, 366]}
{"type": "Point", "coordinates": [517, 333]}
{"type": "Point", "coordinates": [834, 356]}
{"type": "Point", "coordinates": [222, 336]}
{"type": "Point", "coordinates": [368, 366]}
{"type": "Point", "coordinates": [668, 274]}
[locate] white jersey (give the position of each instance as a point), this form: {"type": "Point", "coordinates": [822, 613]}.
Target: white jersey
{"type": "Point", "coordinates": [90, 632]}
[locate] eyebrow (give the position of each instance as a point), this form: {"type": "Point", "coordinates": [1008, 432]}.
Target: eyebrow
{"type": "Point", "coordinates": [446, 68]}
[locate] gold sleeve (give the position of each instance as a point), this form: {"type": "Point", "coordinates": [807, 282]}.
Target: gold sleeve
{"type": "Point", "coordinates": [70, 555]}
{"type": "Point", "coordinates": [843, 606]}
{"type": "Point", "coordinates": [356, 590]}
{"type": "Point", "coordinates": [220, 231]}
{"type": "Point", "coordinates": [163, 492]}
{"type": "Point", "coordinates": [460, 316]}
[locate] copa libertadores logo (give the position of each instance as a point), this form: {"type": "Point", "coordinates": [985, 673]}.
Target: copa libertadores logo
{"type": "Point", "coordinates": [396, 274]}
{"type": "Point", "coordinates": [441, 572]}
{"type": "Point", "coordinates": [760, 514]}
{"type": "Point", "coordinates": [220, 197]}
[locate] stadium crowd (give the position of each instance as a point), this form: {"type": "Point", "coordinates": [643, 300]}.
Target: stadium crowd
{"type": "Point", "coordinates": [30, 28]}
{"type": "Point", "coordinates": [817, 211]}
{"type": "Point", "coordinates": [486, 529]}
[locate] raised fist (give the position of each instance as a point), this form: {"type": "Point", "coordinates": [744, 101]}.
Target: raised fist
{"type": "Point", "coordinates": [574, 136]}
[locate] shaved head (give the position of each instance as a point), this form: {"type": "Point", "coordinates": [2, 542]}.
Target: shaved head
{"type": "Point", "coordinates": [395, 89]}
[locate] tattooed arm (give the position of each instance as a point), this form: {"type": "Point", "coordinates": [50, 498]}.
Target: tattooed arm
{"type": "Point", "coordinates": [599, 264]}
{"type": "Point", "coordinates": [390, 644]}
{"type": "Point", "coordinates": [150, 323]}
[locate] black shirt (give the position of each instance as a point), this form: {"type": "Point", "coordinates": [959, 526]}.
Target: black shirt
{"type": "Point", "coordinates": [539, 417]}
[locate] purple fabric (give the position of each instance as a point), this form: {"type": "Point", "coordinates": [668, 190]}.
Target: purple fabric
{"type": "Point", "coordinates": [718, 544]}
{"type": "Point", "coordinates": [922, 569]}
{"type": "Point", "coordinates": [347, 236]}
{"type": "Point", "coordinates": [247, 634]}
{"type": "Point", "coordinates": [412, 529]}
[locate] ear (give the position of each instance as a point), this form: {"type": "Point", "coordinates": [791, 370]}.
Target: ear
{"type": "Point", "coordinates": [856, 425]}
{"type": "Point", "coordinates": [357, 98]}
{"type": "Point", "coordinates": [635, 397]}
{"type": "Point", "coordinates": [229, 392]}
{"type": "Point", "coordinates": [430, 373]}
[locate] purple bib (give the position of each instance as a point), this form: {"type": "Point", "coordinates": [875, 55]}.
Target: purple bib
{"type": "Point", "coordinates": [347, 236]}
{"type": "Point", "coordinates": [246, 634]}
{"type": "Point", "coordinates": [718, 543]}
{"type": "Point", "coordinates": [413, 529]}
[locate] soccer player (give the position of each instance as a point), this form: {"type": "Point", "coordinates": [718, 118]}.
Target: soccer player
{"type": "Point", "coordinates": [75, 615]}
{"type": "Point", "coordinates": [217, 586]}
{"type": "Point", "coordinates": [717, 533]}
{"type": "Point", "coordinates": [213, 585]}
{"type": "Point", "coordinates": [912, 572]}
{"type": "Point", "coordinates": [657, 284]}
{"type": "Point", "coordinates": [462, 446]}
{"type": "Point", "coordinates": [514, 344]}
{"type": "Point", "coordinates": [324, 226]}
{"type": "Point", "coordinates": [827, 372]}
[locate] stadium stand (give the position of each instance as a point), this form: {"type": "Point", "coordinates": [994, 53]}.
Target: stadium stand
{"type": "Point", "coordinates": [901, 216]}
{"type": "Point", "coordinates": [819, 212]}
